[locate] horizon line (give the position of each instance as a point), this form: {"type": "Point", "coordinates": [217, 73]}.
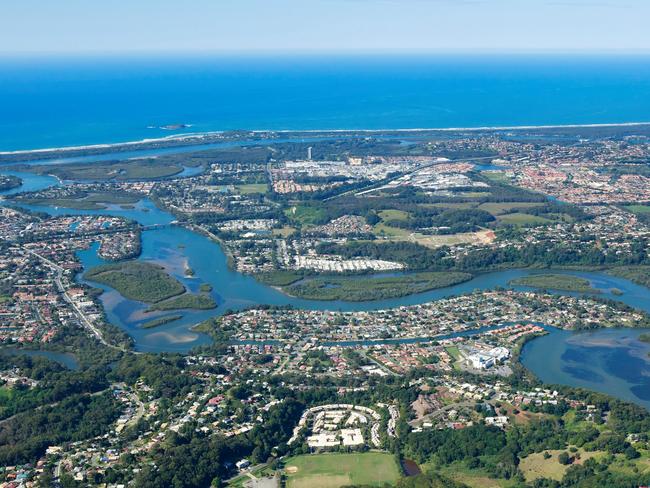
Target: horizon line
{"type": "Point", "coordinates": [326, 52]}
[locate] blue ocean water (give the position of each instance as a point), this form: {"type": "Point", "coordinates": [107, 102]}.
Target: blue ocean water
{"type": "Point", "coordinates": [51, 102]}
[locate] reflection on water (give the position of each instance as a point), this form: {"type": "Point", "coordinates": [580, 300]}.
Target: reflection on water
{"type": "Point", "coordinates": [66, 359]}
{"type": "Point", "coordinates": [612, 361]}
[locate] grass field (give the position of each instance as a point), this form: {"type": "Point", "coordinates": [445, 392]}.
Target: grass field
{"type": "Point", "coordinates": [382, 230]}
{"type": "Point", "coordinates": [304, 215]}
{"type": "Point", "coordinates": [393, 214]}
{"type": "Point", "coordinates": [454, 352]}
{"type": "Point", "coordinates": [521, 219]}
{"type": "Point", "coordinates": [638, 209]}
{"type": "Point", "coordinates": [252, 188]}
{"type": "Point", "coordinates": [335, 470]}
{"type": "Point", "coordinates": [499, 208]}
{"type": "Point", "coordinates": [535, 466]}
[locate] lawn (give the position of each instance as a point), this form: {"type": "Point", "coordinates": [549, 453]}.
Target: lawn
{"type": "Point", "coordinates": [252, 188]}
{"type": "Point", "coordinates": [638, 209]}
{"type": "Point", "coordinates": [335, 470]}
{"type": "Point", "coordinates": [393, 214]}
{"type": "Point", "coordinates": [454, 352]}
{"type": "Point", "coordinates": [383, 230]}
{"type": "Point", "coordinates": [521, 219]}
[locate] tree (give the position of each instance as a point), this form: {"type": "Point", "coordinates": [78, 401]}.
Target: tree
{"type": "Point", "coordinates": [564, 458]}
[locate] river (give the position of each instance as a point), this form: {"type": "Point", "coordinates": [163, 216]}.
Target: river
{"type": "Point", "coordinates": [176, 248]}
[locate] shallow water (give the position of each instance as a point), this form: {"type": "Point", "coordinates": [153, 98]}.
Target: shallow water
{"type": "Point", "coordinates": [612, 361]}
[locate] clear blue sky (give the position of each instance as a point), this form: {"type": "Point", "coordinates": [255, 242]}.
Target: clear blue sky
{"type": "Point", "coordinates": [323, 25]}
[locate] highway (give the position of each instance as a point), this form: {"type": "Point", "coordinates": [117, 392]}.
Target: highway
{"type": "Point", "coordinates": [82, 317]}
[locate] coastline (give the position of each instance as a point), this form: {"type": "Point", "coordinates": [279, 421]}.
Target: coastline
{"type": "Point", "coordinates": [197, 136]}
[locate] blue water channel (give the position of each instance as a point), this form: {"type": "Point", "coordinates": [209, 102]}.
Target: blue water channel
{"type": "Point", "coordinates": [615, 365]}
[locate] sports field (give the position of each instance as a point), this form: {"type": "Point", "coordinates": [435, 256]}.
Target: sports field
{"type": "Point", "coordinates": [335, 470]}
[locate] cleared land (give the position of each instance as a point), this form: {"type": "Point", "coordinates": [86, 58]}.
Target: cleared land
{"type": "Point", "coordinates": [336, 470]}
{"type": "Point", "coordinates": [556, 282]}
{"type": "Point", "coordinates": [535, 466]}
{"type": "Point", "coordinates": [373, 288]}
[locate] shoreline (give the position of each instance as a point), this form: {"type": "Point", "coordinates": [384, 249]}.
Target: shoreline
{"type": "Point", "coordinates": [199, 135]}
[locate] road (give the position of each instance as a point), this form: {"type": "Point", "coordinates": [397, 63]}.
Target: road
{"type": "Point", "coordinates": [82, 317]}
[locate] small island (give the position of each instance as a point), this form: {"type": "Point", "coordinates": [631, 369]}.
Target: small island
{"type": "Point", "coordinates": [161, 321]}
{"type": "Point", "coordinates": [363, 288]}
{"type": "Point", "coordinates": [556, 282]}
{"type": "Point", "coordinates": [9, 182]}
{"type": "Point", "coordinates": [148, 283]}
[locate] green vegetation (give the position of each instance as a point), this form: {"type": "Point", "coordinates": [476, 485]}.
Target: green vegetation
{"type": "Point", "coordinates": [205, 288]}
{"type": "Point", "coordinates": [187, 300]}
{"type": "Point", "coordinates": [556, 282]}
{"type": "Point", "coordinates": [86, 201]}
{"type": "Point", "coordinates": [540, 465]}
{"type": "Point", "coordinates": [637, 274]}
{"type": "Point", "coordinates": [136, 280]}
{"type": "Point", "coordinates": [336, 470]}
{"type": "Point", "coordinates": [392, 214]}
{"type": "Point", "coordinates": [279, 277]}
{"type": "Point", "coordinates": [522, 219]}
{"type": "Point", "coordinates": [373, 288]}
{"type": "Point", "coordinates": [638, 209]}
{"type": "Point", "coordinates": [8, 182]}
{"type": "Point", "coordinates": [305, 214]}
{"type": "Point", "coordinates": [644, 337]}
{"type": "Point", "coordinates": [160, 321]}
{"type": "Point", "coordinates": [500, 208]}
{"type": "Point", "coordinates": [252, 188]}
{"type": "Point", "coordinates": [137, 169]}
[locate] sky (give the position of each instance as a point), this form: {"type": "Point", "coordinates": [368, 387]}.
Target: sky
{"type": "Point", "coordinates": [116, 26]}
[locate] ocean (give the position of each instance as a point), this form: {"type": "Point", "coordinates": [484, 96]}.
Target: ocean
{"type": "Point", "coordinates": [59, 101]}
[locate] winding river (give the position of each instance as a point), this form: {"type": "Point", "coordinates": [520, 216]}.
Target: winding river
{"type": "Point", "coordinates": [612, 361]}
